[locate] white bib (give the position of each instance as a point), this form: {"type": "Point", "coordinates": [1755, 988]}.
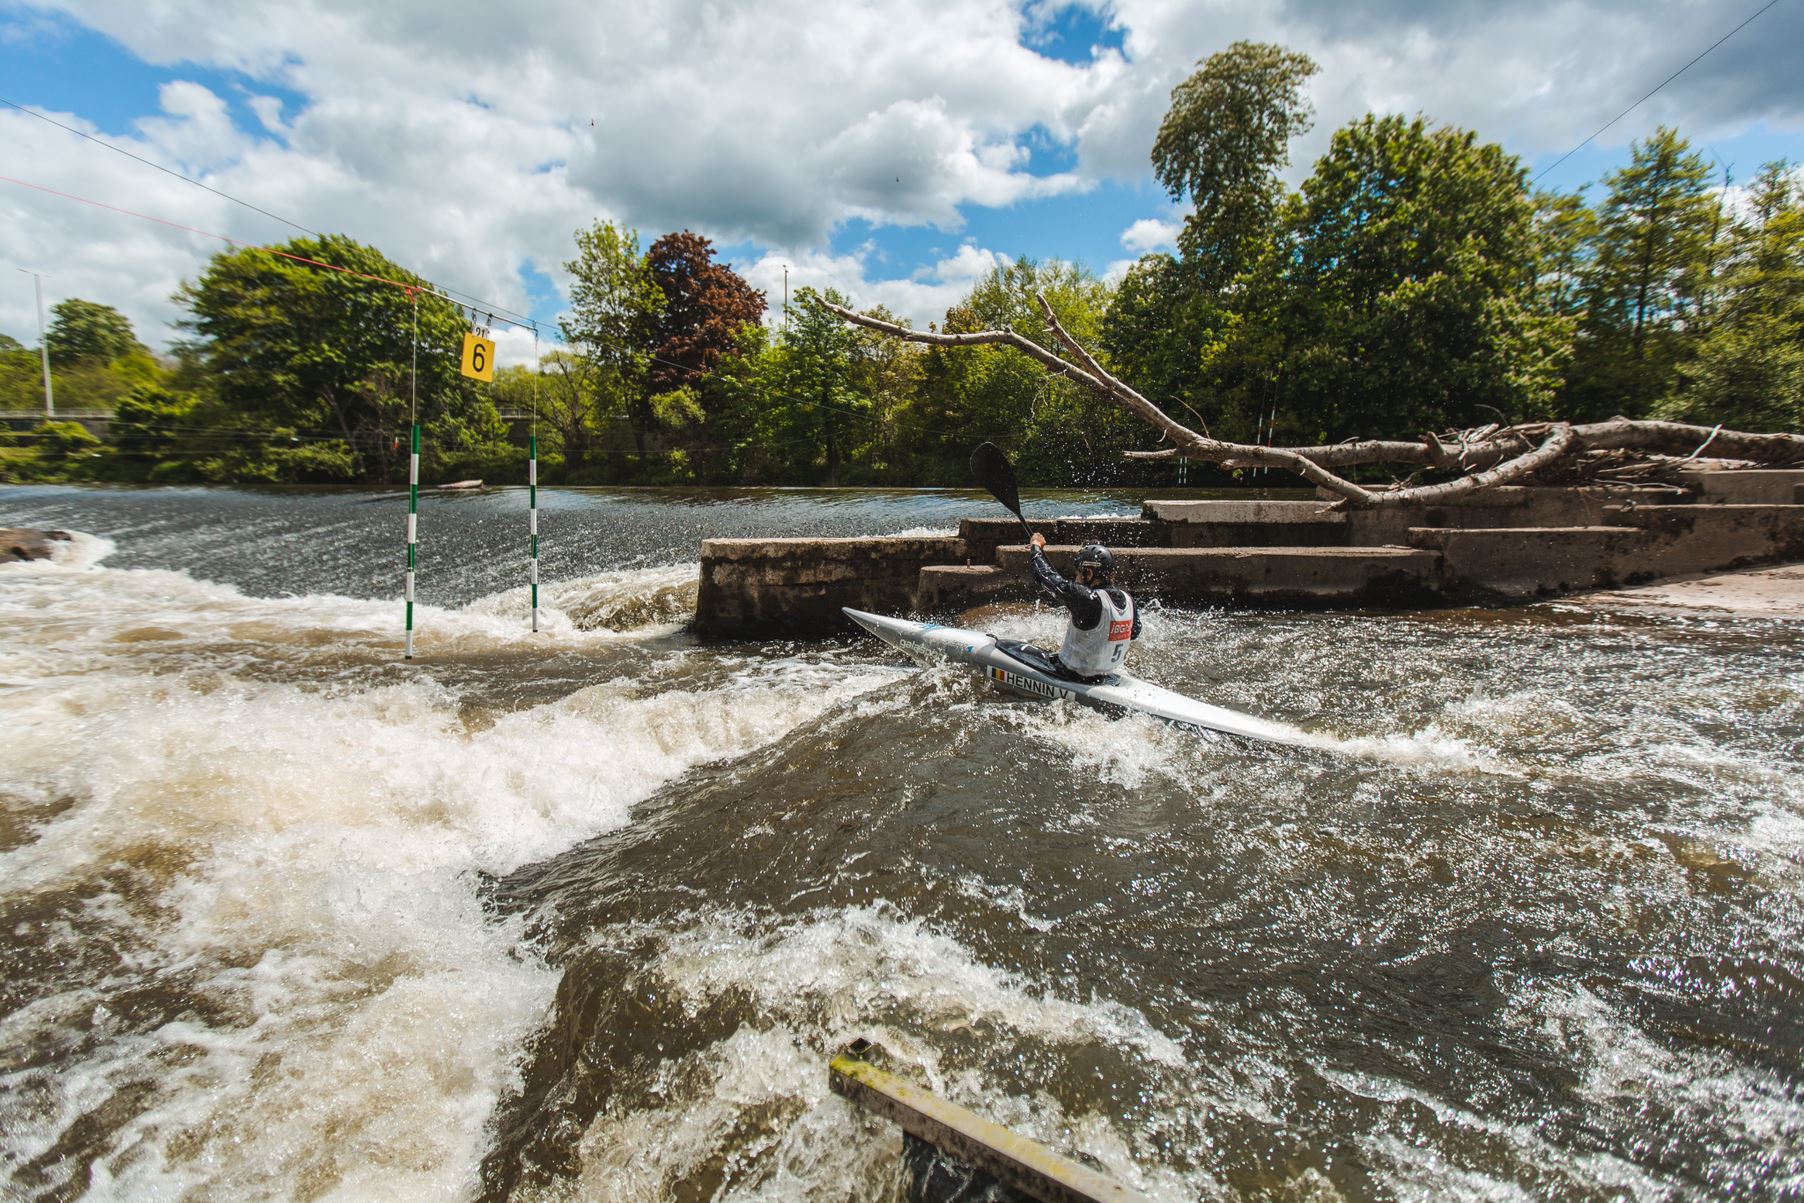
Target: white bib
{"type": "Point", "coordinates": [1100, 650]}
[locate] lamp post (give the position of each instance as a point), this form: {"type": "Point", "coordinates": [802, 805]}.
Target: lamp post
{"type": "Point", "coordinates": [43, 344]}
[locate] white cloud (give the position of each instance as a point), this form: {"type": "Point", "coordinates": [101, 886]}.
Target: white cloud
{"type": "Point", "coordinates": [1117, 271]}
{"type": "Point", "coordinates": [467, 144]}
{"type": "Point", "coordinates": [921, 298]}
{"type": "Point", "coordinates": [1151, 234]}
{"type": "Point", "coordinates": [1536, 76]}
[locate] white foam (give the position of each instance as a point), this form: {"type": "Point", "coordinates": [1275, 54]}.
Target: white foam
{"type": "Point", "coordinates": [298, 860]}
{"type": "Point", "coordinates": [1620, 1066]}
{"type": "Point", "coordinates": [1423, 1161]}
{"type": "Point", "coordinates": [841, 960]}
{"type": "Point", "coordinates": [757, 1101]}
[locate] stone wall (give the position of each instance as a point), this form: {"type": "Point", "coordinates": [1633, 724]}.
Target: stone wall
{"type": "Point", "coordinates": [774, 587]}
{"type": "Point", "coordinates": [1500, 544]}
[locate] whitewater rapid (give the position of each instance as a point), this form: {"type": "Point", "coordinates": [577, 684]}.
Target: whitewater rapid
{"type": "Point", "coordinates": [280, 835]}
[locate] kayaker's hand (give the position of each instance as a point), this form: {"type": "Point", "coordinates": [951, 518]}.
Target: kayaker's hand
{"type": "Point", "coordinates": [1038, 539]}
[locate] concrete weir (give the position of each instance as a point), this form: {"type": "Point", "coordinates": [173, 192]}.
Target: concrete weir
{"type": "Point", "coordinates": [1499, 545]}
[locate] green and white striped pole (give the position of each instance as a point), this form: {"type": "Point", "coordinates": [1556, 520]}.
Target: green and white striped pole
{"type": "Point", "coordinates": [532, 518]}
{"type": "Point", "coordinates": [413, 471]}
{"type": "Point", "coordinates": [413, 528]}
{"type": "Point", "coordinates": [532, 479]}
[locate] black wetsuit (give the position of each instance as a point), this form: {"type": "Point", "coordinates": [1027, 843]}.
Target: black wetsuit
{"type": "Point", "coordinates": [1081, 600]}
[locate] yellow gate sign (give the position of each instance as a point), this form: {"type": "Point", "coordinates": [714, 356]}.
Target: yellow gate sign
{"type": "Point", "coordinates": [479, 358]}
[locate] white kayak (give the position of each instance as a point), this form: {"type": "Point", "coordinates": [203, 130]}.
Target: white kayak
{"type": "Point", "coordinates": [1024, 669]}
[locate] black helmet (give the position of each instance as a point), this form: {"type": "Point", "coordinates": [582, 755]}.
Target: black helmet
{"type": "Point", "coordinates": [1096, 557]}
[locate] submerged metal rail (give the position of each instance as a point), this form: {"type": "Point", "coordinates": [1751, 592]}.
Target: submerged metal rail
{"type": "Point", "coordinates": [1016, 1162]}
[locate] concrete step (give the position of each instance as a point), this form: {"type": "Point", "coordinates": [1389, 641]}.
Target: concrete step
{"type": "Point", "coordinates": [1747, 486]}
{"type": "Point", "coordinates": [1247, 523]}
{"type": "Point", "coordinates": [1714, 537]}
{"type": "Point", "coordinates": [943, 587]}
{"type": "Point", "coordinates": [757, 588]}
{"type": "Point", "coordinates": [1530, 561]}
{"type": "Point", "coordinates": [1256, 510]}
{"type": "Point", "coordinates": [1288, 577]}
{"type": "Point", "coordinates": [983, 536]}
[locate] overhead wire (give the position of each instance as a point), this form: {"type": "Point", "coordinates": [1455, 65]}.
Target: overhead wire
{"type": "Point", "coordinates": [512, 317]}
{"type": "Point", "coordinates": [486, 306]}
{"type": "Point", "coordinates": [152, 163]}
{"type": "Point", "coordinates": [1688, 66]}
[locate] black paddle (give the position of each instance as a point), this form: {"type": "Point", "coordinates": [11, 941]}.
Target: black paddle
{"type": "Point", "coordinates": [991, 469]}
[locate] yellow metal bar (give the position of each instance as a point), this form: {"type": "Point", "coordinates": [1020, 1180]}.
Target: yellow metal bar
{"type": "Point", "coordinates": [1015, 1161]}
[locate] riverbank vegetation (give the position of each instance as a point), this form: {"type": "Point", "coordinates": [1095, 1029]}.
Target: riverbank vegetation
{"type": "Point", "coordinates": [1414, 282]}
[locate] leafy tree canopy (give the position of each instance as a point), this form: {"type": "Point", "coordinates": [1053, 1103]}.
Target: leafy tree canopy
{"type": "Point", "coordinates": [88, 330]}
{"type": "Point", "coordinates": [280, 342]}
{"type": "Point", "coordinates": [705, 304]}
{"type": "Point", "coordinates": [1223, 142]}
{"type": "Point", "coordinates": [1394, 300]}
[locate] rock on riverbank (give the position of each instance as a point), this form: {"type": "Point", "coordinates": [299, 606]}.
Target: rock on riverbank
{"type": "Point", "coordinates": [23, 543]}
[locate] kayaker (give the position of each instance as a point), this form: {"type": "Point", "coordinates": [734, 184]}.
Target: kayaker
{"type": "Point", "coordinates": [1104, 619]}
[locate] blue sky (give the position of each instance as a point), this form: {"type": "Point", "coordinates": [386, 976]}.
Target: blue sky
{"type": "Point", "coordinates": [872, 148]}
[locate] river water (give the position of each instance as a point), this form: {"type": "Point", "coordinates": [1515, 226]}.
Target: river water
{"type": "Point", "coordinates": [583, 914]}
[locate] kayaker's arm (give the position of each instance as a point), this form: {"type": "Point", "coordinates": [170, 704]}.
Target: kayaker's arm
{"type": "Point", "coordinates": [1085, 606]}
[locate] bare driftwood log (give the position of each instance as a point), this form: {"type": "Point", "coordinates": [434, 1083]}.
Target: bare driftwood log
{"type": "Point", "coordinates": [1490, 455]}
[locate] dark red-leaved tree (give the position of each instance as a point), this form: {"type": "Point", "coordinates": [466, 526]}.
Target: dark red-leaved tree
{"type": "Point", "coordinates": [705, 306]}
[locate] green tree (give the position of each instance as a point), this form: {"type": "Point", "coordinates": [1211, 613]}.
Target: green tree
{"type": "Point", "coordinates": [1396, 298]}
{"type": "Point", "coordinates": [1156, 331]}
{"type": "Point", "coordinates": [1222, 143]}
{"type": "Point", "coordinates": [1565, 230]}
{"type": "Point", "coordinates": [744, 438]}
{"type": "Point", "coordinates": [1059, 432]}
{"type": "Point", "coordinates": [615, 305]}
{"type": "Point", "coordinates": [819, 404]}
{"type": "Point", "coordinates": [156, 434]}
{"type": "Point", "coordinates": [88, 330]}
{"type": "Point", "coordinates": [1748, 372]}
{"type": "Point", "coordinates": [280, 343]}
{"type": "Point", "coordinates": [889, 372]}
{"type": "Point", "coordinates": [1645, 281]}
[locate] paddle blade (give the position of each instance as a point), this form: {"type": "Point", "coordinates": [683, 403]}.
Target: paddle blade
{"type": "Point", "coordinates": [991, 469]}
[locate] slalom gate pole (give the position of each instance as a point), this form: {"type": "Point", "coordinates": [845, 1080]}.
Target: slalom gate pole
{"type": "Point", "coordinates": [532, 519]}
{"type": "Point", "coordinates": [413, 529]}
{"type": "Point", "coordinates": [532, 479]}
{"type": "Point", "coordinates": [413, 470]}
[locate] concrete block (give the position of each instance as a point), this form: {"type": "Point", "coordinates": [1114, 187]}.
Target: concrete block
{"type": "Point", "coordinates": [1232, 511]}
{"type": "Point", "coordinates": [1711, 538]}
{"type": "Point", "coordinates": [770, 587]}
{"type": "Point", "coordinates": [1513, 562]}
{"type": "Point", "coordinates": [945, 587]}
{"type": "Point", "coordinates": [1509, 506]}
{"type": "Point", "coordinates": [1273, 577]}
{"type": "Point", "coordinates": [1746, 486]}
{"type": "Point", "coordinates": [983, 536]}
{"type": "Point", "coordinates": [1251, 523]}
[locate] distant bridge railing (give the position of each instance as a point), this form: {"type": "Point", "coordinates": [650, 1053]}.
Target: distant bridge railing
{"type": "Point", "coordinates": [95, 421]}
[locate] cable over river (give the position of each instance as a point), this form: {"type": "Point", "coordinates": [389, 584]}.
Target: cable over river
{"type": "Point", "coordinates": [583, 914]}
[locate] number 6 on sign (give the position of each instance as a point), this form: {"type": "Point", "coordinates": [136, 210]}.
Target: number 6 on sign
{"type": "Point", "coordinates": [479, 358]}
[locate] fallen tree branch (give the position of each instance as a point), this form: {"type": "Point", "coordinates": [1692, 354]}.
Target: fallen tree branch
{"type": "Point", "coordinates": [1187, 442]}
{"type": "Point", "coordinates": [1491, 454]}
